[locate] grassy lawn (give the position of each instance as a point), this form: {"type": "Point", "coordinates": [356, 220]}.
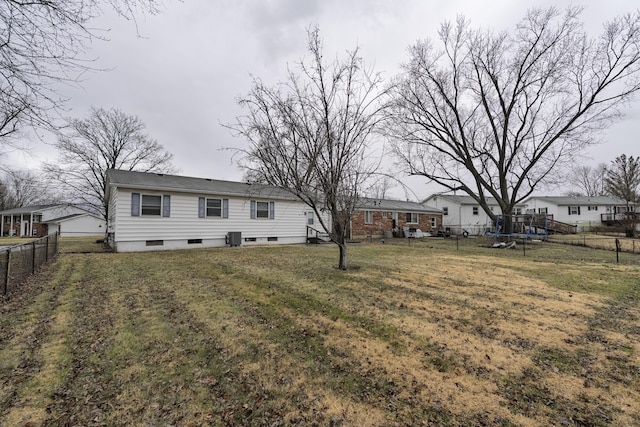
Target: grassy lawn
{"type": "Point", "coordinates": [420, 334]}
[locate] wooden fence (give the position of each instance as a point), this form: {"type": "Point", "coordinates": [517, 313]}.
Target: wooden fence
{"type": "Point", "coordinates": [20, 261]}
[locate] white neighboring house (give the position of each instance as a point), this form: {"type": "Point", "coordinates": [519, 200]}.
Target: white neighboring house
{"type": "Point", "coordinates": [41, 220]}
{"type": "Point", "coordinates": [463, 213]}
{"type": "Point", "coordinates": [581, 211]}
{"type": "Point", "coordinates": [149, 211]}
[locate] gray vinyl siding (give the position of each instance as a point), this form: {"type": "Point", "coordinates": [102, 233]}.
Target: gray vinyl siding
{"type": "Point", "coordinates": [289, 221]}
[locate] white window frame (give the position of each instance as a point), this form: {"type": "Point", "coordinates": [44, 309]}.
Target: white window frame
{"type": "Point", "coordinates": [411, 217]}
{"type": "Point", "coordinates": [210, 211]}
{"type": "Point", "coordinates": [147, 206]}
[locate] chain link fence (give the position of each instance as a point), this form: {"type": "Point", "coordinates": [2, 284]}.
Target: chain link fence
{"type": "Point", "coordinates": [20, 261]}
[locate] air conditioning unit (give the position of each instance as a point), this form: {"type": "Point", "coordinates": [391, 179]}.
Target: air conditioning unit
{"type": "Point", "coordinates": [234, 238]}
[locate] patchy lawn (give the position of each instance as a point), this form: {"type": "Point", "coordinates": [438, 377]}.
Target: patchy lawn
{"type": "Point", "coordinates": [417, 335]}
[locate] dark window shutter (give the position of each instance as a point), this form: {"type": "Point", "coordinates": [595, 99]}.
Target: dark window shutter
{"type": "Point", "coordinates": [166, 205]}
{"type": "Point", "coordinates": [225, 208]}
{"type": "Point", "coordinates": [201, 212]}
{"type": "Point", "coordinates": [135, 204]}
{"type": "Point", "coordinates": [569, 210]}
{"type": "Point", "coordinates": [272, 210]}
{"type": "Point", "coordinates": [253, 209]}
{"type": "Point", "coordinates": [578, 210]}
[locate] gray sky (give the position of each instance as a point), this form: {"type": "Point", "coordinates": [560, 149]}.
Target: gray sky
{"type": "Point", "coordinates": [184, 71]}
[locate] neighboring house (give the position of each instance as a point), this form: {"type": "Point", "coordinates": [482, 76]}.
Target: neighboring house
{"type": "Point", "coordinates": [41, 220]}
{"type": "Point", "coordinates": [149, 211]}
{"type": "Point", "coordinates": [385, 218]}
{"type": "Point", "coordinates": [462, 214]}
{"type": "Point", "coordinates": [582, 211]}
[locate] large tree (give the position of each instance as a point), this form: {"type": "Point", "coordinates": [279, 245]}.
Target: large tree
{"type": "Point", "coordinates": [22, 188]}
{"type": "Point", "coordinates": [106, 139]}
{"type": "Point", "coordinates": [494, 114]}
{"type": "Point", "coordinates": [311, 135]}
{"type": "Point", "coordinates": [43, 44]}
{"type": "Point", "coordinates": [622, 180]}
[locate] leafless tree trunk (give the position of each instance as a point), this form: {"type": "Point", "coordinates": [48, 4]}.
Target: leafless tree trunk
{"type": "Point", "coordinates": [311, 135]}
{"type": "Point", "coordinates": [495, 114]}
{"type": "Point", "coordinates": [43, 43]}
{"type": "Point", "coordinates": [106, 139]}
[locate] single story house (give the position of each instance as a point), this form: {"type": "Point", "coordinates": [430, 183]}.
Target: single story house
{"type": "Point", "coordinates": [462, 213]}
{"type": "Point", "coordinates": [378, 218]}
{"type": "Point", "coordinates": [41, 220]}
{"type": "Point", "coordinates": [150, 211]}
{"type": "Point", "coordinates": [581, 211]}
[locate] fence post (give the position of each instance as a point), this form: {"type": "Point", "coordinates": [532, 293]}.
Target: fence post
{"type": "Point", "coordinates": [7, 271]}
{"type": "Point", "coordinates": [617, 251]}
{"type": "Point", "coordinates": [46, 249]}
{"type": "Point", "coordinates": [33, 257]}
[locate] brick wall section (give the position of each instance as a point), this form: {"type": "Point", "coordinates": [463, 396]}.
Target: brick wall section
{"type": "Point", "coordinates": [383, 221]}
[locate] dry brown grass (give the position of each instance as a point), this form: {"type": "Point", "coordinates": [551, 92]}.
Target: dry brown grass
{"type": "Point", "coordinates": [420, 335]}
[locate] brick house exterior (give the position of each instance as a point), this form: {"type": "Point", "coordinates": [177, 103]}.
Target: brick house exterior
{"type": "Point", "coordinates": [383, 218]}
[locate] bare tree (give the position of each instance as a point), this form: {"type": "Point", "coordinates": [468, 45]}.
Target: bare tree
{"type": "Point", "coordinates": [622, 180]}
{"type": "Point", "coordinates": [43, 44]}
{"type": "Point", "coordinates": [588, 181]}
{"type": "Point", "coordinates": [380, 186]}
{"type": "Point", "coordinates": [494, 114]}
{"type": "Point", "coordinates": [106, 139]}
{"type": "Point", "coordinates": [311, 135]}
{"type": "Point", "coordinates": [23, 188]}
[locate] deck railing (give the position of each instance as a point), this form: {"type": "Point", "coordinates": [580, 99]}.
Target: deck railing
{"type": "Point", "coordinates": [20, 261]}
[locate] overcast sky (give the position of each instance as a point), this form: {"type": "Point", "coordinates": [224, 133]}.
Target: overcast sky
{"type": "Point", "coordinates": [181, 71]}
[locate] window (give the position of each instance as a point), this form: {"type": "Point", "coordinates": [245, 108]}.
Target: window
{"type": "Point", "coordinates": [592, 208]}
{"type": "Point", "coordinates": [262, 210]}
{"type": "Point", "coordinates": [434, 222]}
{"type": "Point", "coordinates": [412, 218]}
{"type": "Point", "coordinates": [213, 208]}
{"type": "Point", "coordinates": [542, 210]}
{"type": "Point", "coordinates": [517, 211]}
{"type": "Point", "coordinates": [368, 217]}
{"type": "Point", "coordinates": [150, 205]}
{"type": "Point", "coordinates": [574, 210]}
{"type": "Point", "coordinates": [475, 210]}
{"type": "Point", "coordinates": [37, 218]}
{"type": "Point", "coordinates": [310, 218]}
{"type": "Point", "coordinates": [445, 210]}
